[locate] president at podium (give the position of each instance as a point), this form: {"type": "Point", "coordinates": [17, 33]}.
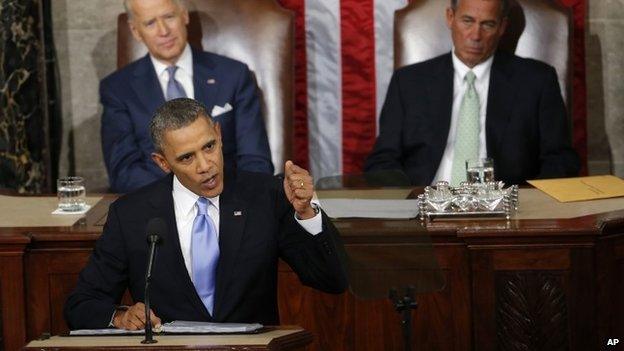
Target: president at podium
{"type": "Point", "coordinates": [222, 236]}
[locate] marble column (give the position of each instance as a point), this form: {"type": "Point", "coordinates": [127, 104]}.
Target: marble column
{"type": "Point", "coordinates": [24, 150]}
{"type": "Point", "coordinates": [605, 86]}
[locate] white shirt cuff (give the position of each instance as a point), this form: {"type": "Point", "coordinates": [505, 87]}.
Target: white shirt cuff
{"type": "Point", "coordinates": [312, 225]}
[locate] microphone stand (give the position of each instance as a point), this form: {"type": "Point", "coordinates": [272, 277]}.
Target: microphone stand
{"type": "Point", "coordinates": [149, 333]}
{"type": "Point", "coordinates": [404, 305]}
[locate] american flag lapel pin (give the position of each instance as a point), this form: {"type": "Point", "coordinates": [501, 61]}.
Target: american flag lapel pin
{"type": "Point", "coordinates": [238, 213]}
{"type": "Point", "coordinates": [211, 81]}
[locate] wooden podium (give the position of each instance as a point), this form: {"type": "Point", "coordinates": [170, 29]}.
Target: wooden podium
{"type": "Point", "coordinates": [558, 266]}
{"type": "Point", "coordinates": [279, 338]}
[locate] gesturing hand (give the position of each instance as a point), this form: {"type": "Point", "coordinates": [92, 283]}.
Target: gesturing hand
{"type": "Point", "coordinates": [299, 189]}
{"type": "Point", "coordinates": [134, 318]}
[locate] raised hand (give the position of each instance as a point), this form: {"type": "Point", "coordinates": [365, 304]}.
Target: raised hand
{"type": "Point", "coordinates": [299, 189]}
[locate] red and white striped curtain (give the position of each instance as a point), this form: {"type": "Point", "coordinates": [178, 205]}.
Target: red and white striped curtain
{"type": "Point", "coordinates": [344, 61]}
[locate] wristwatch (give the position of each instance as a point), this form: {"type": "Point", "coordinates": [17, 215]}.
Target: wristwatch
{"type": "Point", "coordinates": [315, 208]}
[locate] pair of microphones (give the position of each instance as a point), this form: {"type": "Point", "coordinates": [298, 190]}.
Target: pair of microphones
{"type": "Point", "coordinates": [155, 229]}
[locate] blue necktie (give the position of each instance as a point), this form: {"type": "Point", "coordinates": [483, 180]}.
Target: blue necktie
{"type": "Point", "coordinates": [204, 254]}
{"type": "Point", "coordinates": [174, 88]}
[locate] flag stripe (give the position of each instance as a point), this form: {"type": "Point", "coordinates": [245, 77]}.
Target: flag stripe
{"type": "Point", "coordinates": [324, 82]}
{"type": "Point", "coordinates": [358, 82]}
{"type": "Point", "coordinates": [300, 118]}
{"type": "Point", "coordinates": [579, 85]}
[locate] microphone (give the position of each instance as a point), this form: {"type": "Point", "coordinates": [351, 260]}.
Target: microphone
{"type": "Point", "coordinates": [156, 227]}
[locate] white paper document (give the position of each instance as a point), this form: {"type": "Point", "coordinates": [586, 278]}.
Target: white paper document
{"type": "Point", "coordinates": [206, 327]}
{"type": "Point", "coordinates": [367, 208]}
{"type": "Point", "coordinates": [178, 327]}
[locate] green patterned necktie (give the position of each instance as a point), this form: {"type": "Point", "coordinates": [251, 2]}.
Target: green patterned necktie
{"type": "Point", "coordinates": [467, 134]}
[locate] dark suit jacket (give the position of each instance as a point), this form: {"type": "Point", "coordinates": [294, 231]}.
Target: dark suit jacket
{"type": "Point", "coordinates": [131, 95]}
{"type": "Point", "coordinates": [250, 244]}
{"type": "Point", "coordinates": [527, 132]}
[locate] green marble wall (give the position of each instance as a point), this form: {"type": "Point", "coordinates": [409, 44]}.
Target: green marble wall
{"type": "Point", "coordinates": [23, 127]}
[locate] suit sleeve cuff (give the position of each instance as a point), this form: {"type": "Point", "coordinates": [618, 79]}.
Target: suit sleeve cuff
{"type": "Point", "coordinates": [117, 308]}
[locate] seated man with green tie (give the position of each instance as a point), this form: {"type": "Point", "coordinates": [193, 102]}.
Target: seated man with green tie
{"type": "Point", "coordinates": [224, 233]}
{"type": "Point", "coordinates": [475, 102]}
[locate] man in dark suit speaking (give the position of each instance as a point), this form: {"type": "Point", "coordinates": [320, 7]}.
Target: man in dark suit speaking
{"type": "Point", "coordinates": [225, 232]}
{"type": "Point", "coordinates": [475, 102]}
{"type": "Point", "coordinates": [170, 70]}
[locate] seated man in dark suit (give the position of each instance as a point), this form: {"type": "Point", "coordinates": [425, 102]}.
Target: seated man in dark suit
{"type": "Point", "coordinates": [475, 102]}
{"type": "Point", "coordinates": [172, 69]}
{"type": "Point", "coordinates": [225, 232]}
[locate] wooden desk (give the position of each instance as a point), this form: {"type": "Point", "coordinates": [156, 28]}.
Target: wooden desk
{"type": "Point", "coordinates": [282, 338]}
{"type": "Point", "coordinates": [13, 321]}
{"type": "Point", "coordinates": [557, 283]}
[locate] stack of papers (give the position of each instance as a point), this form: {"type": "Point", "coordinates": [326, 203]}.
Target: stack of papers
{"type": "Point", "coordinates": [205, 327]}
{"type": "Point", "coordinates": [179, 327]}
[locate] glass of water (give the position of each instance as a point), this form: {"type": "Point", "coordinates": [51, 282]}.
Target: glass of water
{"type": "Point", "coordinates": [71, 194]}
{"type": "Point", "coordinates": [480, 170]}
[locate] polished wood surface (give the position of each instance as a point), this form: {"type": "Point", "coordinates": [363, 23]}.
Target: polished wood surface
{"type": "Point", "coordinates": [551, 284]}
{"type": "Point", "coordinates": [284, 338]}
{"type": "Point", "coordinates": [12, 247]}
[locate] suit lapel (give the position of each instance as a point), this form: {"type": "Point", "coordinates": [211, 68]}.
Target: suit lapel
{"type": "Point", "coordinates": [162, 203]}
{"type": "Point", "coordinates": [205, 82]}
{"type": "Point", "coordinates": [440, 95]}
{"type": "Point", "coordinates": [232, 209]}
{"type": "Point", "coordinates": [501, 95]}
{"type": "Point", "coordinates": [146, 85]}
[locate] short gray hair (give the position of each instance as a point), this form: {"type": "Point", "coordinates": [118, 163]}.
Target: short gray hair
{"type": "Point", "coordinates": [128, 6]}
{"type": "Point", "coordinates": [504, 8]}
{"type": "Point", "coordinates": [175, 114]}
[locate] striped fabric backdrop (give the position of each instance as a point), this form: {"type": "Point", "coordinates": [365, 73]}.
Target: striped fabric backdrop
{"type": "Point", "coordinates": [344, 61]}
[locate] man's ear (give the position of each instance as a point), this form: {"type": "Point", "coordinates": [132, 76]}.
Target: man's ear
{"type": "Point", "coordinates": [134, 30]}
{"type": "Point", "coordinates": [503, 27]}
{"type": "Point", "coordinates": [161, 161]}
{"type": "Point", "coordinates": [217, 128]}
{"type": "Point", "coordinates": [450, 15]}
{"type": "Point", "coordinates": [185, 16]}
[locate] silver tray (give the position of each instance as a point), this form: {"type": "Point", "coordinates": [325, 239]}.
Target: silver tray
{"type": "Point", "coordinates": [506, 200]}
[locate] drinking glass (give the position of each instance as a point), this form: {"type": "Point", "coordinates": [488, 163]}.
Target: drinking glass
{"type": "Point", "coordinates": [71, 194]}
{"type": "Point", "coordinates": [480, 170]}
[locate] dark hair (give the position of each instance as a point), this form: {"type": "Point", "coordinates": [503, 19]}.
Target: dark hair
{"type": "Point", "coordinates": [505, 5]}
{"type": "Point", "coordinates": [175, 114]}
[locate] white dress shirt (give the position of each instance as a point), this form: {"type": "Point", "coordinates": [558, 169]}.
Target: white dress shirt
{"type": "Point", "coordinates": [185, 208]}
{"type": "Point", "coordinates": [184, 73]}
{"type": "Point", "coordinates": [482, 85]}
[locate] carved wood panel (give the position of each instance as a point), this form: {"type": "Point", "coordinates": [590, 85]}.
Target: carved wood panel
{"type": "Point", "coordinates": [12, 299]}
{"type": "Point", "coordinates": [618, 301]}
{"type": "Point", "coordinates": [531, 311]}
{"type": "Point", "coordinates": [52, 276]}
{"type": "Point", "coordinates": [1, 329]}
{"type": "Point", "coordinates": [328, 316]}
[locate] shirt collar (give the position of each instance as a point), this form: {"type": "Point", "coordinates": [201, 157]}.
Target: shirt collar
{"type": "Point", "coordinates": [185, 200]}
{"type": "Point", "coordinates": [184, 63]}
{"type": "Point", "coordinates": [479, 70]}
